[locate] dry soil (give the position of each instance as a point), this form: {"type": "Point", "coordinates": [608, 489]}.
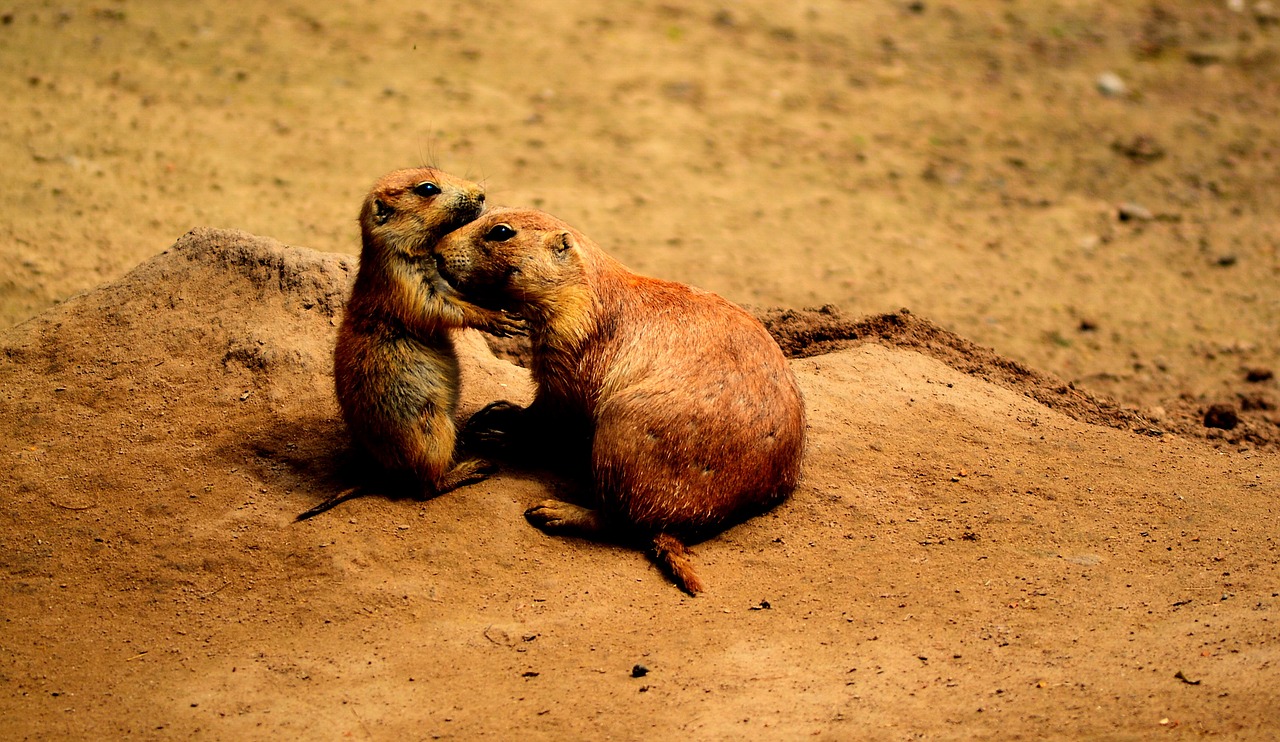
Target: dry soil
{"type": "Point", "coordinates": [1014, 519]}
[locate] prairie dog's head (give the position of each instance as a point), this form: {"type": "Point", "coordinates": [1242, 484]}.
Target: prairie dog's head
{"type": "Point", "coordinates": [521, 259]}
{"type": "Point", "coordinates": [407, 211]}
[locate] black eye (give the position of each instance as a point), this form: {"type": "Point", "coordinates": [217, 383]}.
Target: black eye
{"type": "Point", "coordinates": [500, 233]}
{"type": "Point", "coordinates": [426, 189]}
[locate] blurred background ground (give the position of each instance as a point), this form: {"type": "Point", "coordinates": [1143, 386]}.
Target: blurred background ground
{"type": "Point", "coordinates": [966, 160]}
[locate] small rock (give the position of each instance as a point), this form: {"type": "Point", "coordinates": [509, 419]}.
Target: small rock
{"type": "Point", "coordinates": [1131, 212]}
{"type": "Point", "coordinates": [1140, 149]}
{"type": "Point", "coordinates": [1205, 56]}
{"type": "Point", "coordinates": [1264, 12]}
{"type": "Point", "coordinates": [639, 671]}
{"type": "Point", "coordinates": [1225, 261]}
{"type": "Point", "coordinates": [1110, 85]}
{"type": "Point", "coordinates": [1221, 416]}
{"type": "Point", "coordinates": [1258, 375]}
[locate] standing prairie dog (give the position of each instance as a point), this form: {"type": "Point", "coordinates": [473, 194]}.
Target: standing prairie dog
{"type": "Point", "coordinates": [694, 419]}
{"type": "Point", "coordinates": [395, 369]}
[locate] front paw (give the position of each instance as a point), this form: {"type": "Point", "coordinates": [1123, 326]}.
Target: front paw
{"type": "Point", "coordinates": [492, 427]}
{"type": "Point", "coordinates": [505, 325]}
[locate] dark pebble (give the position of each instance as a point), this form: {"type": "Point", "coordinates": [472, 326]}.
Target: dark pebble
{"type": "Point", "coordinates": [1258, 375]}
{"type": "Point", "coordinates": [639, 671]}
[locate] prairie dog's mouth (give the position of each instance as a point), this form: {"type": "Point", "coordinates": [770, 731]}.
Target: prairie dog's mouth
{"type": "Point", "coordinates": [462, 214]}
{"type": "Point", "coordinates": [465, 210]}
{"type": "Point", "coordinates": [484, 296]}
{"type": "Point", "coordinates": [442, 267]}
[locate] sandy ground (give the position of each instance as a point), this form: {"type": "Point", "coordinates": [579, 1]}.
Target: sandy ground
{"type": "Point", "coordinates": [960, 559]}
{"type": "Point", "coordinates": [1043, 539]}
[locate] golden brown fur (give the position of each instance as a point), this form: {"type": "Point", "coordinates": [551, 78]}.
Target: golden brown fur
{"type": "Point", "coordinates": [693, 416]}
{"type": "Point", "coordinates": [395, 370]}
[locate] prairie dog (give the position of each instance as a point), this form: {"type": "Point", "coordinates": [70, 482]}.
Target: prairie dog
{"type": "Point", "coordinates": [395, 369]}
{"type": "Point", "coordinates": [693, 417]}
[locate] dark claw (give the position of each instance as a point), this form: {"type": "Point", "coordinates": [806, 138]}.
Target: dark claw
{"type": "Point", "coordinates": [491, 426]}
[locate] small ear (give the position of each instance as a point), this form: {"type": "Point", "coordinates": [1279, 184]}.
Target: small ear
{"type": "Point", "coordinates": [381, 211]}
{"type": "Point", "coordinates": [564, 241]}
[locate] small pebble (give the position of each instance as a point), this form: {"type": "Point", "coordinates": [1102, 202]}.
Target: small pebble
{"type": "Point", "coordinates": [1110, 85]}
{"type": "Point", "coordinates": [1131, 212]}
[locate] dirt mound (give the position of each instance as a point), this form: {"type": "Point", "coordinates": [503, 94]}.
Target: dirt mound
{"type": "Point", "coordinates": [1249, 419]}
{"type": "Point", "coordinates": [960, 558]}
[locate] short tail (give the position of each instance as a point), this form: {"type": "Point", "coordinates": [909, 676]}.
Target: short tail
{"type": "Point", "coordinates": [673, 556]}
{"type": "Point", "coordinates": [341, 497]}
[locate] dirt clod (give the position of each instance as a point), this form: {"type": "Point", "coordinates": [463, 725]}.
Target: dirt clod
{"type": "Point", "coordinates": [1258, 375]}
{"type": "Point", "coordinates": [1221, 416]}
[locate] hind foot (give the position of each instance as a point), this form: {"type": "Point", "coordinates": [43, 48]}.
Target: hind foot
{"type": "Point", "coordinates": [468, 471]}
{"type": "Point", "coordinates": [556, 515]}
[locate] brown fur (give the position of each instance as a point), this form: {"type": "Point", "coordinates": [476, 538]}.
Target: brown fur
{"type": "Point", "coordinates": [694, 418]}
{"type": "Point", "coordinates": [395, 370]}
